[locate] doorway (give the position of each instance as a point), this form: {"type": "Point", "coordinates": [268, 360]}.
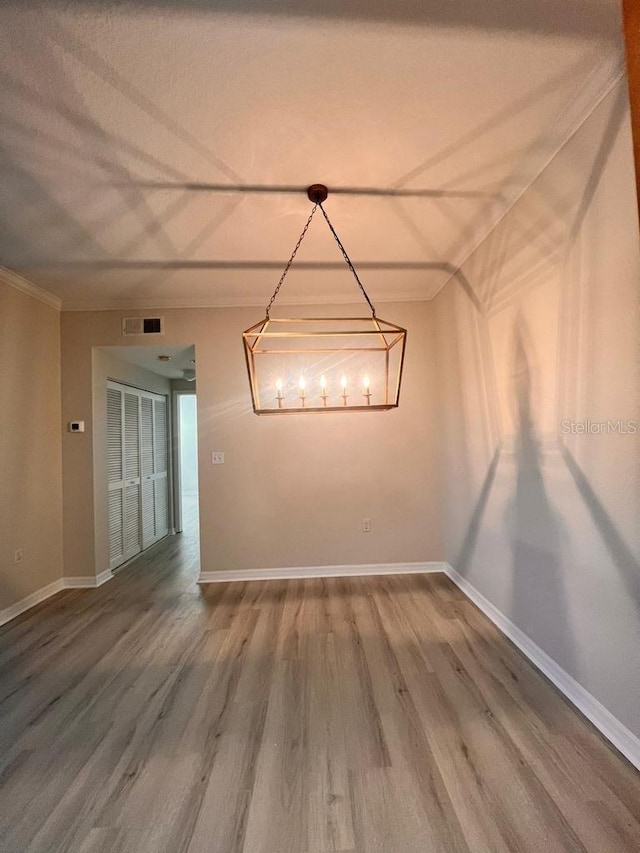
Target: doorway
{"type": "Point", "coordinates": [134, 433]}
{"type": "Point", "coordinates": [187, 462]}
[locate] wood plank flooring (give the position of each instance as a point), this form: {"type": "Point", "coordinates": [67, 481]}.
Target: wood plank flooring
{"type": "Point", "coordinates": [355, 715]}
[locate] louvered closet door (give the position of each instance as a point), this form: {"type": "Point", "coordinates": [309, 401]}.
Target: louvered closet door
{"type": "Point", "coordinates": [132, 532]}
{"type": "Point", "coordinates": [123, 474]}
{"type": "Point", "coordinates": [160, 464]}
{"type": "Point", "coordinates": [137, 463]}
{"type": "Point", "coordinates": [155, 457]}
{"type": "Point", "coordinates": [115, 478]}
{"type": "Point", "coordinates": [147, 454]}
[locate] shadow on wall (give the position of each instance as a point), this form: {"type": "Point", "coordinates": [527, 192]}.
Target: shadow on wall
{"type": "Point", "coordinates": [532, 295]}
{"type": "Point", "coordinates": [534, 527]}
{"type": "Point", "coordinates": [621, 554]}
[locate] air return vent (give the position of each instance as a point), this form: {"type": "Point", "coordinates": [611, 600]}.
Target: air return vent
{"type": "Point", "coordinates": [143, 325]}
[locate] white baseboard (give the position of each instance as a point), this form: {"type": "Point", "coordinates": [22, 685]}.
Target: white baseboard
{"type": "Point", "coordinates": [103, 577]}
{"type": "Point", "coordinates": [30, 601]}
{"type": "Point", "coordinates": [292, 572]}
{"type": "Point", "coordinates": [618, 734]}
{"type": "Point", "coordinates": [89, 582]}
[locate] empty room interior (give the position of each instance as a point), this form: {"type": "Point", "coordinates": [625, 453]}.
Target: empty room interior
{"type": "Point", "coordinates": [320, 426]}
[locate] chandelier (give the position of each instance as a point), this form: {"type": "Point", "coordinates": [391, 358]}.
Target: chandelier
{"type": "Point", "coordinates": [320, 364]}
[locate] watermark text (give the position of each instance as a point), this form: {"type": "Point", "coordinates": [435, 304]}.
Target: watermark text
{"type": "Point", "coordinates": [610, 427]}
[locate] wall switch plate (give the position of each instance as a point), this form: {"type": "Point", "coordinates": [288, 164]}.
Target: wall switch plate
{"type": "Point", "coordinates": [217, 457]}
{"type": "Point", "coordinates": [366, 525]}
{"type": "Point", "coordinates": [18, 555]}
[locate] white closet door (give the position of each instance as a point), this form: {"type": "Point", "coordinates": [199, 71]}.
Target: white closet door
{"type": "Point", "coordinates": [137, 463]}
{"type": "Point", "coordinates": [160, 460]}
{"type": "Point", "coordinates": [132, 538]}
{"type": "Point", "coordinates": [115, 478]}
{"type": "Point", "coordinates": [123, 474]}
{"type": "Point", "coordinates": [147, 457]}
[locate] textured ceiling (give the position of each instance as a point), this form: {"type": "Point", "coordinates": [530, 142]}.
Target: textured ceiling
{"type": "Point", "coordinates": [148, 150]}
{"type": "Point", "coordinates": [181, 358]}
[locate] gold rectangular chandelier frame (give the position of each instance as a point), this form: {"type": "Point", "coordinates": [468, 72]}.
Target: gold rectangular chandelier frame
{"type": "Point", "coordinates": [323, 364]}
{"type": "Point", "coordinates": [324, 345]}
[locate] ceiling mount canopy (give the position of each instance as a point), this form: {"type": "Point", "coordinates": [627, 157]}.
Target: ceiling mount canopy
{"type": "Point", "coordinates": [317, 193]}
{"type": "Point", "coordinates": [321, 364]}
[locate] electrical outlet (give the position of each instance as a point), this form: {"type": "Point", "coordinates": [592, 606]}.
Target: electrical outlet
{"type": "Point", "coordinates": [18, 555]}
{"type": "Point", "coordinates": [217, 457]}
{"type": "Point", "coordinates": [366, 525]}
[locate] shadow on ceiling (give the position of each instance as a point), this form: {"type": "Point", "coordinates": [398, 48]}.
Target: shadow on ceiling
{"type": "Point", "coordinates": [555, 17]}
{"type": "Point", "coordinates": [92, 157]}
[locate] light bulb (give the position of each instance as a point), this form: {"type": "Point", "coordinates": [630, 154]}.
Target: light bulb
{"type": "Point", "coordinates": [302, 383]}
{"type": "Point", "coordinates": [343, 382]}
{"type": "Point", "coordinates": [278, 384]}
{"type": "Point", "coordinates": [323, 381]}
{"type": "Point", "coordinates": [366, 382]}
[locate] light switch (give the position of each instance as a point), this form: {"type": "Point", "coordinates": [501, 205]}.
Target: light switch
{"type": "Point", "coordinates": [217, 457]}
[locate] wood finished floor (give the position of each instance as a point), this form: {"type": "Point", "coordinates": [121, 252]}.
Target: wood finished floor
{"type": "Point", "coordinates": [361, 715]}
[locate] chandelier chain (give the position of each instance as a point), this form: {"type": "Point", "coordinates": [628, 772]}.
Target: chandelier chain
{"type": "Point", "coordinates": [346, 257]}
{"type": "Point", "coordinates": [290, 261]}
{"type": "Point", "coordinates": [348, 260]}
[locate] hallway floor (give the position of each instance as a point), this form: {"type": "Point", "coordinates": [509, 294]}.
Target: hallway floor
{"type": "Point", "coordinates": [369, 715]}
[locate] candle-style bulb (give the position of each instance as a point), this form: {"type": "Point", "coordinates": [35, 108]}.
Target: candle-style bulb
{"type": "Point", "coordinates": [366, 389]}
{"type": "Point", "coordinates": [344, 395]}
{"type": "Point", "coordinates": [323, 390]}
{"type": "Point", "coordinates": [278, 384]}
{"type": "Point", "coordinates": [302, 383]}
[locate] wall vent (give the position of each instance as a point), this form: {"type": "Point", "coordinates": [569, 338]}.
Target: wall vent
{"type": "Point", "coordinates": [143, 325]}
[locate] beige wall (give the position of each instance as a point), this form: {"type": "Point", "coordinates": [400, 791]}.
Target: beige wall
{"type": "Point", "coordinates": [293, 491]}
{"type": "Point", "coordinates": [542, 328]}
{"type": "Point", "coordinates": [30, 458]}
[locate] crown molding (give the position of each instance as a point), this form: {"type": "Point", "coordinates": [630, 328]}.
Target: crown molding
{"type": "Point", "coordinates": [22, 284]}
{"type": "Point", "coordinates": [607, 75]}
{"type": "Point", "coordinates": [166, 303]}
